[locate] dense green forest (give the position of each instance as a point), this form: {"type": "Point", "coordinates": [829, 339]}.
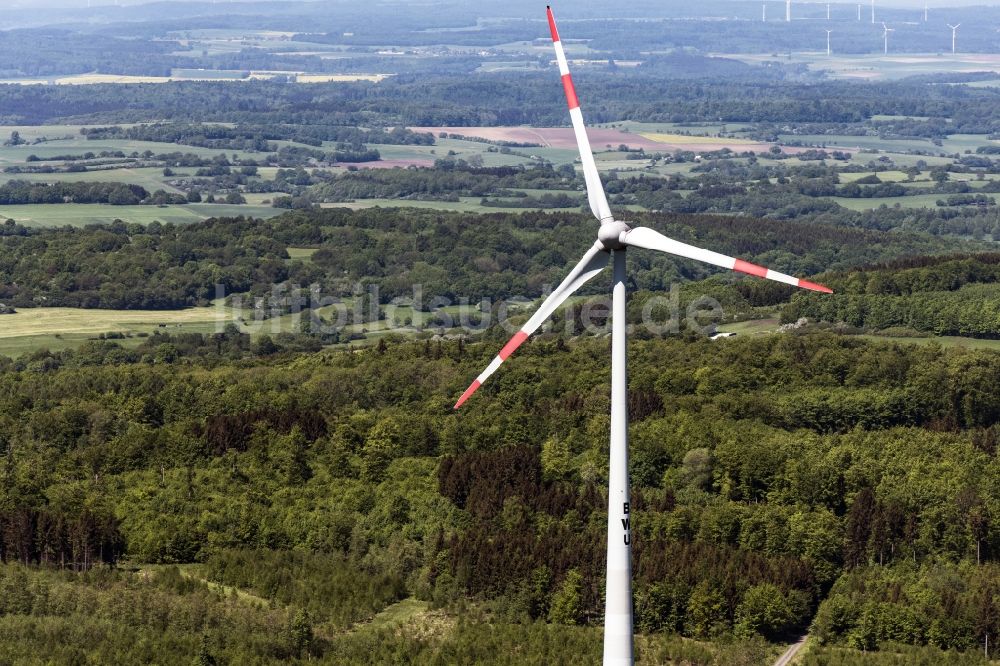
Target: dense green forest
{"type": "Point", "coordinates": [255, 138]}
{"type": "Point", "coordinates": [163, 266]}
{"type": "Point", "coordinates": [174, 494]}
{"type": "Point", "coordinates": [642, 94]}
{"type": "Point", "coordinates": [21, 192]}
{"type": "Point", "coordinates": [773, 479]}
{"type": "Point", "coordinates": [949, 295]}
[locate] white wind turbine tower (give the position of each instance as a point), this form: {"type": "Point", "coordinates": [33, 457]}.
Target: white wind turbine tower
{"type": "Point", "coordinates": [873, 12]}
{"type": "Point", "coordinates": [859, 11]}
{"type": "Point", "coordinates": [828, 41]}
{"type": "Point", "coordinates": [788, 10]}
{"type": "Point", "coordinates": [613, 238]}
{"type": "Point", "coordinates": [925, 12]}
{"type": "Point", "coordinates": [885, 37]}
{"type": "Point", "coordinates": [954, 29]}
{"type": "Point", "coordinates": [763, 11]}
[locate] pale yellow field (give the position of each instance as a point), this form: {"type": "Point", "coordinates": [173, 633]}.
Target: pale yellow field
{"type": "Point", "coordinates": [87, 79]}
{"type": "Point", "coordinates": [339, 78]}
{"type": "Point", "coordinates": [700, 140]}
{"type": "Point", "coordinates": [63, 321]}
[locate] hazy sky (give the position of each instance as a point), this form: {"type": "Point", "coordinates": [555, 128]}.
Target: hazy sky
{"type": "Point", "coordinates": [28, 4]}
{"type": "Point", "coordinates": [51, 4]}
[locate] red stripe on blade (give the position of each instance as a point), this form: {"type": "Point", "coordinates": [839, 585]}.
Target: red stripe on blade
{"type": "Point", "coordinates": [570, 92]}
{"type": "Point", "coordinates": [806, 284]}
{"type": "Point", "coordinates": [465, 396]}
{"type": "Point", "coordinates": [750, 269]}
{"type": "Point", "coordinates": [552, 24]}
{"type": "Point", "coordinates": [513, 344]}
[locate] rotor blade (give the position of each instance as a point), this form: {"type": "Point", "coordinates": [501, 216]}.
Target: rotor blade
{"type": "Point", "coordinates": [654, 240]}
{"type": "Point", "coordinates": [592, 263]}
{"type": "Point", "coordinates": [595, 191]}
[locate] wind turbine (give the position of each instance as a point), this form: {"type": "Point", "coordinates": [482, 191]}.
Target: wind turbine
{"type": "Point", "coordinates": [763, 11]}
{"type": "Point", "coordinates": [859, 11]}
{"type": "Point", "coordinates": [788, 10]}
{"type": "Point", "coordinates": [885, 38]}
{"type": "Point", "coordinates": [828, 41]}
{"type": "Point", "coordinates": [613, 238]}
{"type": "Point", "coordinates": [954, 29]}
{"type": "Point", "coordinates": [873, 12]}
{"type": "Point", "coordinates": [925, 12]}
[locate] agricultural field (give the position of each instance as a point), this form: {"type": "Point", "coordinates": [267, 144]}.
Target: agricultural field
{"type": "Point", "coordinates": [600, 138]}
{"type": "Point", "coordinates": [31, 329]}
{"type": "Point", "coordinates": [196, 75]}
{"type": "Point", "coordinates": [40, 157]}
{"type": "Point", "coordinates": [881, 67]}
{"type": "Point", "coordinates": [57, 215]}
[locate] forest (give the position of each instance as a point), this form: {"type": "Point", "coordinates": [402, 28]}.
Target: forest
{"type": "Point", "coordinates": [22, 192]}
{"type": "Point", "coordinates": [183, 492]}
{"type": "Point", "coordinates": [223, 483]}
{"type": "Point", "coordinates": [451, 255]}
{"type": "Point", "coordinates": [748, 94]}
{"type": "Point", "coordinates": [778, 482]}
{"type": "Point", "coordinates": [947, 295]}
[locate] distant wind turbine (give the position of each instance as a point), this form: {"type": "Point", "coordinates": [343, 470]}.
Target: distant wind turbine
{"type": "Point", "coordinates": [763, 12]}
{"type": "Point", "coordinates": [859, 11]}
{"type": "Point", "coordinates": [925, 12]}
{"type": "Point", "coordinates": [788, 10]}
{"type": "Point", "coordinates": [885, 37]}
{"type": "Point", "coordinates": [614, 237]}
{"type": "Point", "coordinates": [873, 12]}
{"type": "Point", "coordinates": [828, 41]}
{"type": "Point", "coordinates": [954, 29]}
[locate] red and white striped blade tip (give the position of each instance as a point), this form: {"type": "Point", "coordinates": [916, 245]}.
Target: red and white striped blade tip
{"type": "Point", "coordinates": [465, 396]}
{"type": "Point", "coordinates": [741, 266]}
{"type": "Point", "coordinates": [501, 356]}
{"type": "Point", "coordinates": [552, 23]}
{"type": "Point", "coordinates": [812, 286]}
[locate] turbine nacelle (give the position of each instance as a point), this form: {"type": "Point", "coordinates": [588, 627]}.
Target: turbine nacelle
{"type": "Point", "coordinates": [612, 235]}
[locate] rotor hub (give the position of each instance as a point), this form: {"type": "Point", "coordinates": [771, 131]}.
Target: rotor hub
{"type": "Point", "coordinates": [610, 235]}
